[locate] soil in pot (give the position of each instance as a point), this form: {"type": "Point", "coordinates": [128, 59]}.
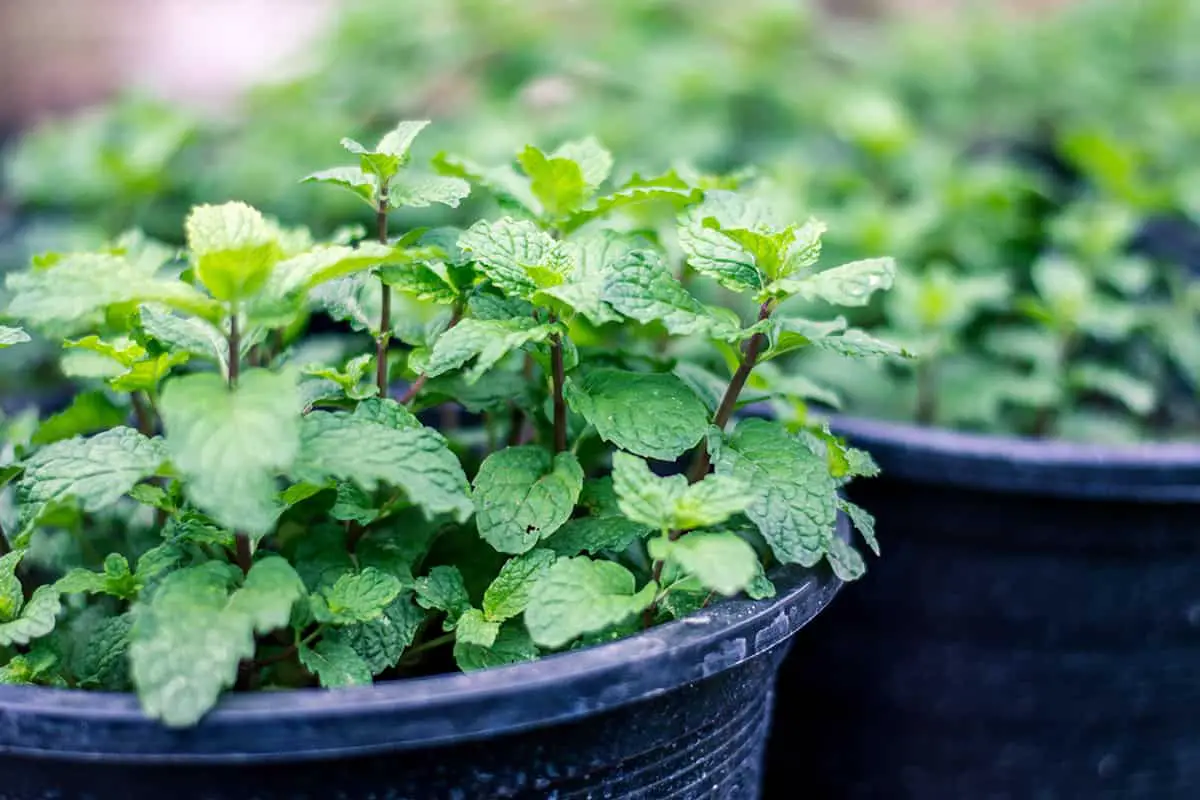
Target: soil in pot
{"type": "Point", "coordinates": [1031, 630]}
{"type": "Point", "coordinates": [680, 711]}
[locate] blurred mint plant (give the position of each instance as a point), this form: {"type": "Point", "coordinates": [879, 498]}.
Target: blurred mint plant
{"type": "Point", "coordinates": [270, 522]}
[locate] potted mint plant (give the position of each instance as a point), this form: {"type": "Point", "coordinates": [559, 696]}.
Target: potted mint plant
{"type": "Point", "coordinates": [273, 575]}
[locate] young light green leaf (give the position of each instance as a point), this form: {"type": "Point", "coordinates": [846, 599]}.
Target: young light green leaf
{"type": "Point", "coordinates": [510, 189]}
{"type": "Point", "coordinates": [863, 521]}
{"type": "Point", "coordinates": [230, 445]}
{"type": "Point", "coordinates": [422, 281]}
{"type": "Point", "coordinates": [381, 641]}
{"type": "Point", "coordinates": [594, 161]}
{"type": "Point", "coordinates": [97, 471]}
{"type": "Point", "coordinates": [851, 284]}
{"type": "Point", "coordinates": [577, 596]}
{"type": "Point", "coordinates": [37, 618]}
{"type": "Point", "coordinates": [233, 249]}
{"type": "Point", "coordinates": [508, 594]}
{"type": "Point", "coordinates": [335, 664]}
{"type": "Point", "coordinates": [363, 448]}
{"type": "Point", "coordinates": [421, 191]}
{"type": "Point", "coordinates": [592, 257]}
{"type": "Point", "coordinates": [651, 414]}
{"type": "Point", "coordinates": [71, 293]}
{"type": "Point", "coordinates": [793, 499]}
{"type": "Point", "coordinates": [557, 183]}
{"type": "Point", "coordinates": [443, 590]}
{"type": "Point", "coordinates": [710, 252]}
{"type": "Point", "coordinates": [267, 595]}
{"type": "Point", "coordinates": [473, 628]}
{"type": "Point", "coordinates": [522, 495]}
{"type": "Point", "coordinates": [722, 562]}
{"type": "Point", "coordinates": [517, 256]}
{"type": "Point", "coordinates": [361, 184]}
{"type": "Point", "coordinates": [670, 503]}
{"type": "Point", "coordinates": [12, 595]}
{"type": "Point", "coordinates": [512, 646]}
{"type": "Point", "coordinates": [189, 335]}
{"type": "Point", "coordinates": [485, 342]}
{"type": "Point", "coordinates": [356, 597]}
{"type": "Point", "coordinates": [10, 336]}
{"type": "Point", "coordinates": [116, 580]}
{"type": "Point", "coordinates": [303, 272]}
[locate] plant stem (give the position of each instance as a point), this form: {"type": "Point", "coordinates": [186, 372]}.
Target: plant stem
{"type": "Point", "coordinates": [411, 393]}
{"type": "Point", "coordinates": [385, 312]}
{"type": "Point", "coordinates": [429, 645]}
{"type": "Point", "coordinates": [560, 403]}
{"type": "Point", "coordinates": [243, 551]}
{"type": "Point", "coordinates": [143, 412]}
{"type": "Point", "coordinates": [5, 547]}
{"type": "Point", "coordinates": [700, 463]}
{"type": "Point", "coordinates": [926, 393]}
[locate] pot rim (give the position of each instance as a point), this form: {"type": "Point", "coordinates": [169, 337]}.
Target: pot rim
{"type": "Point", "coordinates": [1149, 471]}
{"type": "Point", "coordinates": [440, 710]}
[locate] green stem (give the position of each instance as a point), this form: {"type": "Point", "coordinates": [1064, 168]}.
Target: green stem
{"type": "Point", "coordinates": [419, 383]}
{"type": "Point", "coordinates": [385, 311]}
{"type": "Point", "coordinates": [144, 414]}
{"type": "Point", "coordinates": [560, 403]}
{"type": "Point", "coordinates": [432, 644]}
{"type": "Point", "coordinates": [243, 550]}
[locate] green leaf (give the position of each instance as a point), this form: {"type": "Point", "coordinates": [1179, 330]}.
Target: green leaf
{"type": "Point", "coordinates": [594, 161]}
{"type": "Point", "coordinates": [722, 562]}
{"type": "Point", "coordinates": [356, 597]}
{"type": "Point", "coordinates": [641, 287]}
{"type": "Point", "coordinates": [353, 179]}
{"type": "Point", "coordinates": [604, 529]}
{"type": "Point", "coordinates": [517, 256]}
{"type": "Point", "coordinates": [350, 378]}
{"type": "Point", "coordinates": [847, 563]}
{"type": "Point", "coordinates": [523, 494]}
{"type": "Point", "coordinates": [233, 249]}
{"type": "Point", "coordinates": [96, 471]}
{"type": "Point", "coordinates": [10, 336]}
{"type": "Point", "coordinates": [335, 664]}
{"type": "Point", "coordinates": [301, 273]}
{"type": "Point", "coordinates": [124, 351]}
{"type": "Point", "coordinates": [671, 503]}
{"type": "Point", "coordinates": [12, 596]}
{"type": "Point", "coordinates": [508, 594]}
{"type": "Point", "coordinates": [37, 618]}
{"type": "Point", "coordinates": [116, 580]}
{"type": "Point", "coordinates": [72, 293]}
{"type": "Point", "coordinates": [711, 252]}
{"type": "Point", "coordinates": [368, 449]}
{"type": "Point", "coordinates": [510, 188]}
{"type": "Point", "coordinates": [267, 595]}
{"type": "Point", "coordinates": [387, 157]}
{"type": "Point", "coordinates": [381, 641]}
{"type": "Point", "coordinates": [423, 281]}
{"type": "Point", "coordinates": [667, 189]}
{"type": "Point", "coordinates": [793, 496]}
{"type": "Point", "coordinates": [89, 412]}
{"type": "Point", "coordinates": [473, 628]}
{"type": "Point", "coordinates": [1139, 396]}
{"type": "Point", "coordinates": [145, 376]}
{"type": "Point", "coordinates": [188, 335]}
{"type": "Point", "coordinates": [577, 596]}
{"type": "Point", "coordinates": [229, 445]}
{"type": "Point", "coordinates": [443, 590]}
{"type": "Point", "coordinates": [593, 257]}
{"type": "Point", "coordinates": [651, 414]}
{"type": "Point", "coordinates": [103, 661]}
{"type": "Point", "coordinates": [848, 285]}
{"type": "Point", "coordinates": [557, 183]}
{"type": "Point", "coordinates": [863, 521]}
{"type": "Point", "coordinates": [421, 191]}
{"type": "Point", "coordinates": [483, 341]}
{"type": "Point", "coordinates": [512, 646]}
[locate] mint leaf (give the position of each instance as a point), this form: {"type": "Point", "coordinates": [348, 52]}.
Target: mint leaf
{"type": "Point", "coordinates": [557, 183]}
{"type": "Point", "coordinates": [116, 580]}
{"type": "Point", "coordinates": [36, 619]}
{"type": "Point", "coordinates": [670, 503]}
{"type": "Point", "coordinates": [301, 273]}
{"type": "Point", "coordinates": [523, 494]}
{"type": "Point", "coordinates": [511, 646]}
{"type": "Point", "coordinates": [364, 448]}
{"type": "Point", "coordinates": [72, 293]}
{"type": "Point", "coordinates": [230, 444]}
{"type": "Point", "coordinates": [12, 596]}
{"type": "Point", "coordinates": [356, 597]}
{"type": "Point", "coordinates": [102, 663]}
{"type": "Point", "coordinates": [349, 379]}
{"type": "Point", "coordinates": [423, 281]}
{"type": "Point", "coordinates": [577, 596]}
{"type": "Point", "coordinates": [89, 412]}
{"type": "Point", "coordinates": [421, 191]}
{"type": "Point", "coordinates": [641, 287]}
{"type": "Point", "coordinates": [604, 529]}
{"type": "Point", "coordinates": [711, 252]}
{"type": "Point", "coordinates": [361, 184]}
{"type": "Point", "coordinates": [517, 256]}
{"type": "Point", "coordinates": [863, 521]}
{"type": "Point", "coordinates": [851, 284]}
{"type": "Point", "coordinates": [847, 563]}
{"type": "Point", "coordinates": [722, 562]}
{"type": "Point", "coordinates": [594, 161]}
{"type": "Point", "coordinates": [473, 628]}
{"type": "Point", "coordinates": [793, 499]}
{"type": "Point", "coordinates": [443, 590]}
{"type": "Point", "coordinates": [592, 258]}
{"type": "Point", "coordinates": [335, 664]}
{"type": "Point", "coordinates": [193, 336]}
{"type": "Point", "coordinates": [510, 189]}
{"type": "Point", "coordinates": [233, 249]}
{"type": "Point", "coordinates": [10, 336]}
{"type": "Point", "coordinates": [381, 641]}
{"type": "Point", "coordinates": [96, 471]}
{"type": "Point", "coordinates": [651, 414]}
{"type": "Point", "coordinates": [387, 157]}
{"type": "Point", "coordinates": [1137, 395]}
{"type": "Point", "coordinates": [508, 594]}
{"type": "Point", "coordinates": [667, 189]}
{"type": "Point", "coordinates": [267, 595]}
{"type": "Point", "coordinates": [483, 341]}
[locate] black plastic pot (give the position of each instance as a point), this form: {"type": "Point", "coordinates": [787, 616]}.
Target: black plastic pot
{"type": "Point", "coordinates": [680, 711]}
{"type": "Point", "coordinates": [1031, 631]}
